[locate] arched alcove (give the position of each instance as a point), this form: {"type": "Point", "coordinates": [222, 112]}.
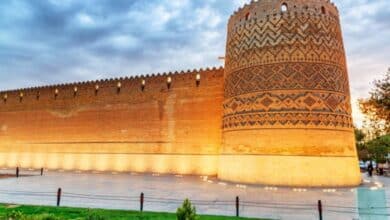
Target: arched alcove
{"type": "Point", "coordinates": [284, 7]}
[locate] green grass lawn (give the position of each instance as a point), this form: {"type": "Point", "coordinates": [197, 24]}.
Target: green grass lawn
{"type": "Point", "coordinates": [59, 213]}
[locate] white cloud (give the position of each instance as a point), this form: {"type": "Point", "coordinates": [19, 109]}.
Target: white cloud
{"type": "Point", "coordinates": [85, 19]}
{"type": "Point", "coordinates": [205, 16]}
{"type": "Point", "coordinates": [123, 42]}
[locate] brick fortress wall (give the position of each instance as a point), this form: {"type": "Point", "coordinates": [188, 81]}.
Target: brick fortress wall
{"type": "Point", "coordinates": [117, 124]}
{"type": "Point", "coordinates": [278, 114]}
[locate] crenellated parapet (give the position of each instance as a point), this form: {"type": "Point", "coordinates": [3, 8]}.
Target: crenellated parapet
{"type": "Point", "coordinates": [137, 88]}
{"type": "Point", "coordinates": [261, 9]}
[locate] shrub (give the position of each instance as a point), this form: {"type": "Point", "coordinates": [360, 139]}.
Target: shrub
{"type": "Point", "coordinates": [43, 217]}
{"type": "Point", "coordinates": [187, 211]}
{"type": "Point", "coordinates": [94, 216]}
{"type": "Point", "coordinates": [15, 215]}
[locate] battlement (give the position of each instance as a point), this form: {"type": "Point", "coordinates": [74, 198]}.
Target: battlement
{"type": "Point", "coordinates": [144, 83]}
{"type": "Point", "coordinates": [272, 8]}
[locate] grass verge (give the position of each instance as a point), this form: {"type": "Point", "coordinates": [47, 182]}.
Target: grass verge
{"type": "Point", "coordinates": [29, 212]}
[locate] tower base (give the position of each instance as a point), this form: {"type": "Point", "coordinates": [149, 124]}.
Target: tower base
{"type": "Point", "coordinates": [302, 171]}
{"type": "Point", "coordinates": [290, 157]}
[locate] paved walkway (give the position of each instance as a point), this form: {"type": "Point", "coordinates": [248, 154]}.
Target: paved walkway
{"type": "Point", "coordinates": [166, 192]}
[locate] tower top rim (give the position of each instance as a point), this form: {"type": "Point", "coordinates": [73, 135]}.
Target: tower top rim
{"type": "Point", "coordinates": [261, 8]}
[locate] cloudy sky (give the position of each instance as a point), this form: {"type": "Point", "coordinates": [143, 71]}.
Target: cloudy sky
{"type": "Point", "coordinates": [56, 41]}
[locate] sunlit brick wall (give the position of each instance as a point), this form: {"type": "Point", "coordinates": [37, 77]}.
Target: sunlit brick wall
{"type": "Point", "coordinates": [136, 124]}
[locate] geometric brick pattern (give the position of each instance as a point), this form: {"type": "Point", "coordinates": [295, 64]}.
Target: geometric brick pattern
{"type": "Point", "coordinates": [286, 119]}
{"type": "Point", "coordinates": [286, 69]}
{"type": "Point", "coordinates": [286, 76]}
{"type": "Point", "coordinates": [285, 38]}
{"type": "Point", "coordinates": [288, 101]}
{"type": "Point", "coordinates": [287, 108]}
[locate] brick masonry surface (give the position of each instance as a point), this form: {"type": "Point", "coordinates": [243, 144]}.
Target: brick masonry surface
{"type": "Point", "coordinates": [279, 113]}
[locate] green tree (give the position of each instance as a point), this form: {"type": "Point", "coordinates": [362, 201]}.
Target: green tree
{"type": "Point", "coordinates": [360, 145]}
{"type": "Point", "coordinates": [187, 211]}
{"type": "Point", "coordinates": [359, 135]}
{"type": "Point", "coordinates": [379, 148]}
{"type": "Point", "coordinates": [377, 107]}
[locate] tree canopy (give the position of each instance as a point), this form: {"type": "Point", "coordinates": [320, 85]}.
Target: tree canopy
{"type": "Point", "coordinates": [377, 107]}
{"type": "Point", "coordinates": [379, 148]}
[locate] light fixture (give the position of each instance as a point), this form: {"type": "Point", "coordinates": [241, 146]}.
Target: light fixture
{"type": "Point", "coordinates": [55, 93]}
{"type": "Point", "coordinates": [96, 89]}
{"type": "Point", "coordinates": [20, 96]}
{"type": "Point", "coordinates": [169, 81]}
{"type": "Point", "coordinates": [143, 83]}
{"type": "Point", "coordinates": [118, 85]}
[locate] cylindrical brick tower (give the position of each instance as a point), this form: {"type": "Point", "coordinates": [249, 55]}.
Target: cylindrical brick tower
{"type": "Point", "coordinates": [287, 113]}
